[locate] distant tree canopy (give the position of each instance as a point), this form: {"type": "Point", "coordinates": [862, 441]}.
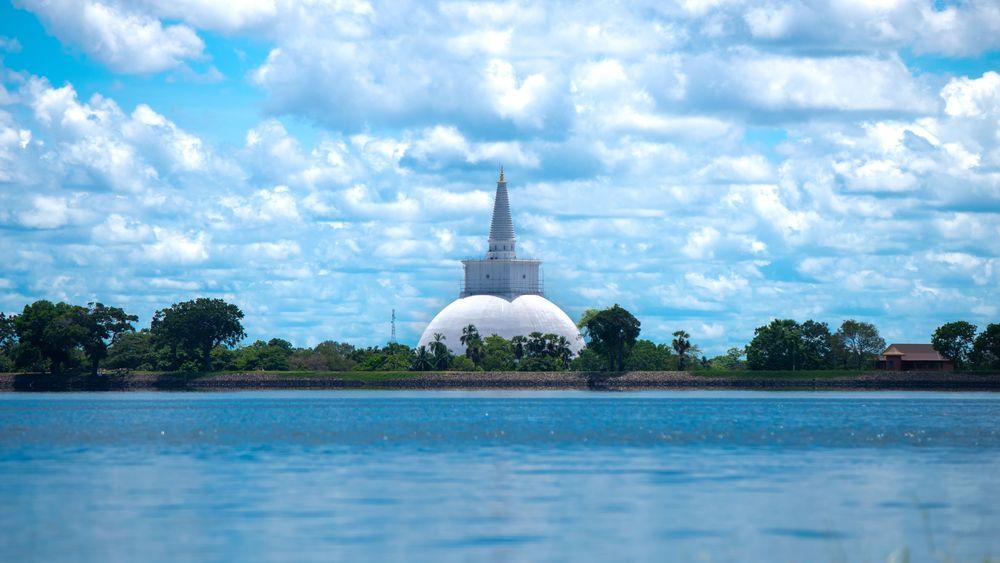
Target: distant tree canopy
{"type": "Point", "coordinates": [775, 346]}
{"type": "Point", "coordinates": [135, 351]}
{"type": "Point", "coordinates": [954, 341]}
{"type": "Point", "coordinates": [56, 335]}
{"type": "Point", "coordinates": [533, 352]}
{"type": "Point", "coordinates": [612, 333]}
{"type": "Point", "coordinates": [325, 356]}
{"type": "Point", "coordinates": [8, 339]}
{"type": "Point", "coordinates": [646, 355]}
{"type": "Point", "coordinates": [272, 355]}
{"type": "Point", "coordinates": [196, 327]}
{"type": "Point", "coordinates": [391, 357]}
{"type": "Point", "coordinates": [732, 360]}
{"type": "Point", "coordinates": [785, 344]}
{"type": "Point", "coordinates": [102, 325]}
{"type": "Point", "coordinates": [204, 334]}
{"type": "Point", "coordinates": [47, 335]}
{"type": "Point", "coordinates": [986, 348]}
{"type": "Point", "coordinates": [498, 354]}
{"type": "Point", "coordinates": [857, 343]}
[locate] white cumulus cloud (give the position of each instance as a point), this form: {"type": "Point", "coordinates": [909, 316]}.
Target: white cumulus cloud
{"type": "Point", "coordinates": [124, 40]}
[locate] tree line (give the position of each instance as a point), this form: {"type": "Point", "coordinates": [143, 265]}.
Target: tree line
{"type": "Point", "coordinates": [204, 335]}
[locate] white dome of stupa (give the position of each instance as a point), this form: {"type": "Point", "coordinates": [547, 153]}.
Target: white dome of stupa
{"type": "Point", "coordinates": [502, 294]}
{"type": "Point", "coordinates": [508, 318]}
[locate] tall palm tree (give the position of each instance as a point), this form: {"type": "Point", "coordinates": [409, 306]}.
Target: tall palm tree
{"type": "Point", "coordinates": [519, 342]}
{"type": "Point", "coordinates": [473, 344]}
{"type": "Point", "coordinates": [422, 359]}
{"type": "Point", "coordinates": [469, 334]}
{"type": "Point", "coordinates": [682, 345]}
{"type": "Point", "coordinates": [551, 342]}
{"type": "Point", "coordinates": [536, 344]}
{"type": "Point", "coordinates": [562, 350]}
{"type": "Point", "coordinates": [442, 357]}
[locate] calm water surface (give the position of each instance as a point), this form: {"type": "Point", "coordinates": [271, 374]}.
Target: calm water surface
{"type": "Point", "coordinates": [716, 476]}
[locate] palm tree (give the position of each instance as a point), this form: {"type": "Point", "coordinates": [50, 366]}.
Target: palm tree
{"type": "Point", "coordinates": [682, 345]}
{"type": "Point", "coordinates": [473, 344]}
{"type": "Point", "coordinates": [536, 345]}
{"type": "Point", "coordinates": [469, 334]}
{"type": "Point", "coordinates": [442, 357]}
{"type": "Point", "coordinates": [551, 344]}
{"type": "Point", "coordinates": [562, 350]}
{"type": "Point", "coordinates": [422, 359]}
{"type": "Point", "coordinates": [519, 342]}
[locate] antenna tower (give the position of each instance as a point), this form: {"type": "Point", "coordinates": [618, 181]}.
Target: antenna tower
{"type": "Point", "coordinates": [392, 337]}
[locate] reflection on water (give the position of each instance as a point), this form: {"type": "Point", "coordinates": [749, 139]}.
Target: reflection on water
{"type": "Point", "coordinates": [716, 476]}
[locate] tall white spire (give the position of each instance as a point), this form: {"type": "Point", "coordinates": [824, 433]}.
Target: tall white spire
{"type": "Point", "coordinates": [501, 272]}
{"type": "Point", "coordinates": [501, 226]}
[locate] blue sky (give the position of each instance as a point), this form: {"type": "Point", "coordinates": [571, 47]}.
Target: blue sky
{"type": "Point", "coordinates": [708, 164]}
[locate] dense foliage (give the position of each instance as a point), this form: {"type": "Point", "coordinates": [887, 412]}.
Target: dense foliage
{"type": "Point", "coordinates": [56, 336]}
{"type": "Point", "coordinates": [986, 348]}
{"type": "Point", "coordinates": [954, 341]}
{"type": "Point", "coordinates": [534, 352]}
{"type": "Point", "coordinates": [785, 344]}
{"type": "Point", "coordinates": [204, 335]}
{"type": "Point", "coordinates": [194, 328]}
{"type": "Point", "coordinates": [612, 333]}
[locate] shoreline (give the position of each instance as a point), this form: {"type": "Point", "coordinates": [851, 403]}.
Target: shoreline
{"type": "Point", "coordinates": [638, 380]}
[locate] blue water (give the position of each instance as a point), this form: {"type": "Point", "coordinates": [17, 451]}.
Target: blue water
{"type": "Point", "coordinates": [708, 476]}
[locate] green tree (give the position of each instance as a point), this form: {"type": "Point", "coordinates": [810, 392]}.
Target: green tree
{"type": "Point", "coordinates": [461, 363]}
{"type": "Point", "coordinates": [776, 346]}
{"type": "Point", "coordinates": [325, 356]}
{"type": "Point", "coordinates": [391, 357]}
{"type": "Point", "coordinates": [682, 346]}
{"type": "Point", "coordinates": [545, 352]}
{"type": "Point", "coordinates": [860, 341]}
{"type": "Point", "coordinates": [273, 355]}
{"type": "Point", "coordinates": [8, 339]}
{"type": "Point", "coordinates": [519, 342]}
{"type": "Point", "coordinates": [498, 354]}
{"type": "Point", "coordinates": [584, 319]}
{"type": "Point", "coordinates": [536, 345]}
{"type": "Point", "coordinates": [589, 360]}
{"type": "Point", "coordinates": [732, 360]}
{"type": "Point", "coordinates": [396, 357]}
{"type": "Point", "coordinates": [540, 363]}
{"type": "Point", "coordinates": [101, 326]}
{"type": "Point", "coordinates": [422, 360]}
{"type": "Point", "coordinates": [613, 332]}
{"type": "Point", "coordinates": [223, 358]}
{"type": "Point", "coordinates": [473, 344]}
{"type": "Point", "coordinates": [198, 326]}
{"type": "Point", "coordinates": [133, 351]}
{"type": "Point", "coordinates": [648, 356]}
{"type": "Point", "coordinates": [816, 346]}
{"type": "Point", "coordinates": [439, 352]}
{"type": "Point", "coordinates": [8, 334]}
{"type": "Point", "coordinates": [954, 341]}
{"type": "Point", "coordinates": [986, 348]}
{"type": "Point", "coordinates": [559, 348]}
{"type": "Point", "coordinates": [48, 333]}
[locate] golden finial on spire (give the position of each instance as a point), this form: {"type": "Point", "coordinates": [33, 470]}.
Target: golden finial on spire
{"type": "Point", "coordinates": [501, 174]}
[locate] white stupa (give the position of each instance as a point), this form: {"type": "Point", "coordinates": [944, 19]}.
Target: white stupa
{"type": "Point", "coordinates": [502, 293]}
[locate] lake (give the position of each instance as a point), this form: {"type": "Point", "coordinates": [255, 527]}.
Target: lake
{"type": "Point", "coordinates": [504, 476]}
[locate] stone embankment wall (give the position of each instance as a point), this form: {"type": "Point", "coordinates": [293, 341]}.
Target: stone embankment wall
{"type": "Point", "coordinates": [501, 380]}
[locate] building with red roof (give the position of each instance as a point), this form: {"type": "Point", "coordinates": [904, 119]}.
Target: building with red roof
{"type": "Point", "coordinates": [913, 357]}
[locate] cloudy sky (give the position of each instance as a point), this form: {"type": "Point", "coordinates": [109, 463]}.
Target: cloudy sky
{"type": "Point", "coordinates": [708, 164]}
